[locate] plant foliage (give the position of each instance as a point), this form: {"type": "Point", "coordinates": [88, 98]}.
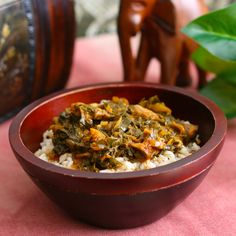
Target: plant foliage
{"type": "Point", "coordinates": [215, 33]}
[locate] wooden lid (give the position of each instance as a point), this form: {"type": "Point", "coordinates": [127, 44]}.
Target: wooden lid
{"type": "Point", "coordinates": [36, 52]}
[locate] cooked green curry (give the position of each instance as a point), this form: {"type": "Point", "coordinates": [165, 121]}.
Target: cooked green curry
{"type": "Point", "coordinates": [97, 133]}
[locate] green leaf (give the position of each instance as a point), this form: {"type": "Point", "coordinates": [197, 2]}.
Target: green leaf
{"type": "Point", "coordinates": [222, 90]}
{"type": "Point", "coordinates": [209, 62]}
{"type": "Point", "coordinates": [216, 32]}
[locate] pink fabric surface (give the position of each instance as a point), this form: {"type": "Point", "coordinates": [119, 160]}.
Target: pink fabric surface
{"type": "Point", "coordinates": [25, 210]}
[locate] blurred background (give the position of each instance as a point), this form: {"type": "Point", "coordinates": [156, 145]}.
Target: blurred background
{"type": "Point", "coordinates": [99, 16]}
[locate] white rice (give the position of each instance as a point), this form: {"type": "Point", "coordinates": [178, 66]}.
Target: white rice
{"type": "Point", "coordinates": [66, 159]}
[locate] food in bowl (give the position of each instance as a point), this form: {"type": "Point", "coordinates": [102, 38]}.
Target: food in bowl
{"type": "Point", "coordinates": [116, 136]}
{"type": "Point", "coordinates": [124, 199]}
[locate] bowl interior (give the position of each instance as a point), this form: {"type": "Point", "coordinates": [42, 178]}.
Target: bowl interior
{"type": "Point", "coordinates": [183, 105]}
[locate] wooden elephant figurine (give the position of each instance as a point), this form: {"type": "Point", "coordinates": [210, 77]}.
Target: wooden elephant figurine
{"type": "Point", "coordinates": [159, 22]}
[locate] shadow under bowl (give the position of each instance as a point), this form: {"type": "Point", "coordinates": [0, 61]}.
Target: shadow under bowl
{"type": "Point", "coordinates": [128, 199]}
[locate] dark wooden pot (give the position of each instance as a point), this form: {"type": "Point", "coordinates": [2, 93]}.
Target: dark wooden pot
{"type": "Point", "coordinates": [36, 49]}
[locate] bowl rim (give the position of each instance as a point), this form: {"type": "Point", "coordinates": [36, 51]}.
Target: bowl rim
{"type": "Point", "coordinates": [215, 140]}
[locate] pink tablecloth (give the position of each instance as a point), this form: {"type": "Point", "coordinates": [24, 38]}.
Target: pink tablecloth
{"type": "Point", "coordinates": [24, 210]}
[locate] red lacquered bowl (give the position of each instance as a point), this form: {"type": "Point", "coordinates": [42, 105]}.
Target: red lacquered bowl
{"type": "Point", "coordinates": [119, 200]}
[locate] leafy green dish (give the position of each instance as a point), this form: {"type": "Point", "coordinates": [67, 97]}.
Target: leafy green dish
{"type": "Point", "coordinates": [113, 135]}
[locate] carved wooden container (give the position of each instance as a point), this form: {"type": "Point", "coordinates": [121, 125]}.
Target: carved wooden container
{"type": "Point", "coordinates": [36, 49]}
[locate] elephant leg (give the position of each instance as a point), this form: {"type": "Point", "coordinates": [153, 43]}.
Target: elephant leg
{"type": "Point", "coordinates": [169, 57]}
{"type": "Point", "coordinates": [202, 77]}
{"type": "Point", "coordinates": [143, 58]}
{"type": "Point", "coordinates": [184, 78]}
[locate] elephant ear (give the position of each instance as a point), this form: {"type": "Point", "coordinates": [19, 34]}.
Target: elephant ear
{"type": "Point", "coordinates": [164, 14]}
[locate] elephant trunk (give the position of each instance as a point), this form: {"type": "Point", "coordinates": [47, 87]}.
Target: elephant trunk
{"type": "Point", "coordinates": [128, 60]}
{"type": "Point", "coordinates": [125, 32]}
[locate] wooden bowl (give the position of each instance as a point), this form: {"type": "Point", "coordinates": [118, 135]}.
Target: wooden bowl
{"type": "Point", "coordinates": [119, 200]}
